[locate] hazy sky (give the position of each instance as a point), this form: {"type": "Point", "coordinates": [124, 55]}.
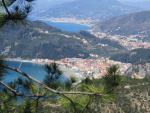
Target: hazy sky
{"type": "Point", "coordinates": [45, 3]}
{"type": "Point", "coordinates": [72, 0]}
{"type": "Point", "coordinates": [52, 1]}
{"type": "Point", "coordinates": [134, 0]}
{"type": "Point", "coordinates": [42, 4]}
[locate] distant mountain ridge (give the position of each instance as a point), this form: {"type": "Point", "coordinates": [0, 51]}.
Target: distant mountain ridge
{"type": "Point", "coordinates": [94, 9]}
{"type": "Point", "coordinates": [132, 24]}
{"type": "Point", "coordinates": [143, 4]}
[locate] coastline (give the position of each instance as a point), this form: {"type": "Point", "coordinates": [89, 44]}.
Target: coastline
{"type": "Point", "coordinates": [86, 22]}
{"type": "Point", "coordinates": [34, 61]}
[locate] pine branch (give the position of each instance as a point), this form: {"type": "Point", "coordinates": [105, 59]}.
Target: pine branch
{"type": "Point", "coordinates": [87, 105]}
{"type": "Point", "coordinates": [60, 93]}
{"type": "Point", "coordinates": [48, 88]}
{"type": "Point", "coordinates": [20, 94]}
{"type": "Point", "coordinates": [4, 4]}
{"type": "Point", "coordinates": [10, 89]}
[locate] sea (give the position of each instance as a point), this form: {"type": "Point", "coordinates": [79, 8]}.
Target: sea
{"type": "Point", "coordinates": [68, 27]}
{"type": "Point", "coordinates": [38, 71]}
{"type": "Point", "coordinates": [35, 70]}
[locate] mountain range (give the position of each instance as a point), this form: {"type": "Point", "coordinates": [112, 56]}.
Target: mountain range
{"type": "Point", "coordinates": [93, 9]}
{"type": "Point", "coordinates": [126, 25]}
{"type": "Point", "coordinates": [134, 24]}
{"type": "Point", "coordinates": [143, 4]}
{"type": "Point", "coordinates": [28, 39]}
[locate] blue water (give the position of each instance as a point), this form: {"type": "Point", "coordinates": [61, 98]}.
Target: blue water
{"type": "Point", "coordinates": [35, 70]}
{"type": "Point", "coordinates": [69, 27]}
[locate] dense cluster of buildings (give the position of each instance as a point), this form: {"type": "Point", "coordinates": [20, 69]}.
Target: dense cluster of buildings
{"type": "Point", "coordinates": [130, 42]}
{"type": "Point", "coordinates": [86, 67]}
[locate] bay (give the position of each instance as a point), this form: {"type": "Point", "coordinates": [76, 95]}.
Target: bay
{"type": "Point", "coordinates": [69, 27]}
{"type": "Point", "coordinates": [37, 71]}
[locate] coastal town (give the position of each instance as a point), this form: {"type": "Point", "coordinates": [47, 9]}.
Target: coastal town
{"type": "Point", "coordinates": [130, 42]}
{"type": "Point", "coordinates": [74, 56]}
{"type": "Point", "coordinates": [95, 66]}
{"type": "Point", "coordinates": [81, 68]}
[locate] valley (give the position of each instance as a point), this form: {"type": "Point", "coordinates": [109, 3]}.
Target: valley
{"type": "Point", "coordinates": [97, 52]}
{"type": "Point", "coordinates": [69, 40]}
{"type": "Point", "coordinates": [135, 42]}
{"type": "Point", "coordinates": [74, 56]}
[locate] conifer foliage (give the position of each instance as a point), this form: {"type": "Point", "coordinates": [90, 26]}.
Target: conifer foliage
{"type": "Point", "coordinates": [14, 10]}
